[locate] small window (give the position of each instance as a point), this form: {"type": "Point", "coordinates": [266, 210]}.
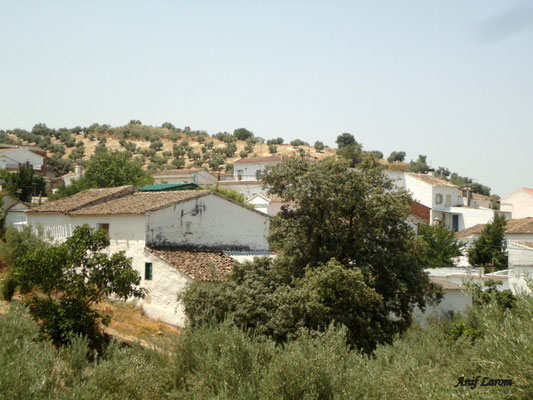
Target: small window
{"type": "Point", "coordinates": [258, 175]}
{"type": "Point", "coordinates": [438, 198]}
{"type": "Point", "coordinates": [148, 271]}
{"type": "Point", "coordinates": [104, 227]}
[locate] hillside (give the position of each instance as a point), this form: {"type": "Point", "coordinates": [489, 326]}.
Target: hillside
{"type": "Point", "coordinates": [156, 148]}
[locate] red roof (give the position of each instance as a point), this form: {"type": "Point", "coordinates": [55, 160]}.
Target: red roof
{"type": "Point", "coordinates": [528, 190]}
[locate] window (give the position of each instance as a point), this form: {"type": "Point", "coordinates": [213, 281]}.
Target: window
{"type": "Point", "coordinates": [188, 227]}
{"type": "Point", "coordinates": [148, 271]}
{"type": "Point", "coordinates": [104, 227]}
{"type": "Point", "coordinates": [438, 198]}
{"type": "Point", "coordinates": [258, 175]}
{"type": "Point", "coordinates": [239, 174]}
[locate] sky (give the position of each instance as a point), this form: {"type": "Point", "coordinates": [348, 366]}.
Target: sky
{"type": "Point", "coordinates": [449, 79]}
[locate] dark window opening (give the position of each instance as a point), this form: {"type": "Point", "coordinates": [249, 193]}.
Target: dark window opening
{"type": "Point", "coordinates": [148, 271]}
{"type": "Point", "coordinates": [104, 227]}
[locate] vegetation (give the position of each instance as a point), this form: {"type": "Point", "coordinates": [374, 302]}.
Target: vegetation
{"type": "Point", "coordinates": [222, 362]}
{"type": "Point", "coordinates": [440, 245]}
{"type": "Point", "coordinates": [109, 169]}
{"type": "Point", "coordinates": [68, 279]}
{"type": "Point", "coordinates": [347, 236]}
{"type": "Point", "coordinates": [22, 184]}
{"type": "Point", "coordinates": [489, 250]}
{"type": "Point", "coordinates": [396, 156]}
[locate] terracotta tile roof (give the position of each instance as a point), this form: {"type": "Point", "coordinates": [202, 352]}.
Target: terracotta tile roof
{"type": "Point", "coordinates": [528, 190]}
{"type": "Point", "coordinates": [180, 172]}
{"type": "Point", "coordinates": [253, 160]}
{"type": "Point", "coordinates": [445, 284]}
{"type": "Point", "coordinates": [514, 226]}
{"type": "Point", "coordinates": [433, 180]}
{"type": "Point", "coordinates": [198, 265]}
{"type": "Point", "coordinates": [141, 202]}
{"type": "Point", "coordinates": [83, 199]}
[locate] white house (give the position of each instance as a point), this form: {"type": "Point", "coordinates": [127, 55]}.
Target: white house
{"type": "Point", "coordinates": [11, 158]}
{"type": "Point", "coordinates": [520, 266]}
{"type": "Point", "coordinates": [72, 176]}
{"type": "Point", "coordinates": [15, 210]}
{"type": "Point", "coordinates": [515, 230]}
{"type": "Point", "coordinates": [267, 203]}
{"type": "Point", "coordinates": [198, 176]}
{"type": "Point", "coordinates": [519, 203]}
{"type": "Point", "coordinates": [251, 169]}
{"type": "Point", "coordinates": [444, 200]}
{"type": "Point", "coordinates": [172, 237]}
{"type": "Point", "coordinates": [455, 299]}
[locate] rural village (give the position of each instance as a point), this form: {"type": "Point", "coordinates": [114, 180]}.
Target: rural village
{"type": "Point", "coordinates": [266, 200]}
{"type": "Point", "coordinates": [178, 230]}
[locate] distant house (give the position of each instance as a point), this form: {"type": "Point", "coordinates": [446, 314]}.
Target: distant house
{"type": "Point", "coordinates": [515, 230]}
{"type": "Point", "coordinates": [520, 266]}
{"type": "Point", "coordinates": [519, 203]}
{"type": "Point", "coordinates": [251, 168]}
{"type": "Point", "coordinates": [443, 200]}
{"type": "Point", "coordinates": [173, 237]}
{"type": "Point", "coordinates": [198, 176]}
{"type": "Point", "coordinates": [15, 210]}
{"type": "Point", "coordinates": [267, 203]}
{"type": "Point", "coordinates": [72, 176]}
{"type": "Point", "coordinates": [12, 158]}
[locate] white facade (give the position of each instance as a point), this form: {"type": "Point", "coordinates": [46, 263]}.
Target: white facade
{"type": "Point", "coordinates": [519, 203]}
{"type": "Point", "coordinates": [444, 199]}
{"type": "Point", "coordinates": [250, 171]}
{"type": "Point", "coordinates": [520, 266]}
{"type": "Point", "coordinates": [205, 222]}
{"type": "Point", "coordinates": [15, 211]}
{"type": "Point", "coordinates": [12, 158]}
{"type": "Point", "coordinates": [266, 204]}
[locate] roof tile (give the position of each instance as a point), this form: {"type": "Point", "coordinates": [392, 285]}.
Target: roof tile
{"type": "Point", "coordinates": [198, 265]}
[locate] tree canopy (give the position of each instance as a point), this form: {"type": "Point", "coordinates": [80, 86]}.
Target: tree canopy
{"type": "Point", "coordinates": [22, 184]}
{"type": "Point", "coordinates": [74, 276]}
{"type": "Point", "coordinates": [441, 245]}
{"type": "Point", "coordinates": [108, 169]}
{"type": "Point", "coordinates": [346, 255]}
{"type": "Point", "coordinates": [489, 250]}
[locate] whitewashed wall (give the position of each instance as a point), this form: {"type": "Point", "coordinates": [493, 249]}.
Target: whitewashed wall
{"type": "Point", "coordinates": [520, 267]}
{"type": "Point", "coordinates": [208, 221]}
{"type": "Point", "coordinates": [453, 300]}
{"type": "Point", "coordinates": [161, 302]}
{"type": "Point", "coordinates": [519, 203]}
{"type": "Point", "coordinates": [421, 191]}
{"type": "Point", "coordinates": [249, 170]}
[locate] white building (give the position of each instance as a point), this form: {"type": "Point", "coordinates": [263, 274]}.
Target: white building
{"type": "Point", "coordinates": [519, 203]}
{"type": "Point", "coordinates": [520, 266]}
{"type": "Point", "coordinates": [198, 176]}
{"type": "Point", "coordinates": [72, 176]}
{"type": "Point", "coordinates": [11, 158]}
{"type": "Point", "coordinates": [172, 237]}
{"type": "Point", "coordinates": [266, 203]}
{"type": "Point", "coordinates": [15, 210]}
{"type": "Point", "coordinates": [515, 230]}
{"type": "Point", "coordinates": [251, 169]}
{"type": "Point", "coordinates": [444, 201]}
